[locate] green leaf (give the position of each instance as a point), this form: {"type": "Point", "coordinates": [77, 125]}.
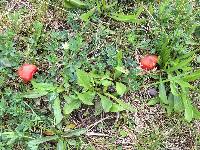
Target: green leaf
{"type": "Point", "coordinates": [84, 79]}
{"type": "Point", "coordinates": [38, 27]}
{"type": "Point", "coordinates": [75, 43]}
{"type": "Point", "coordinates": [162, 93]}
{"type": "Point", "coordinates": [74, 4]}
{"type": "Point", "coordinates": [57, 111]}
{"type": "Point", "coordinates": [151, 9]}
{"type": "Point", "coordinates": [173, 85]}
{"type": "Point", "coordinates": [106, 83]}
{"type": "Point", "coordinates": [181, 64]}
{"type": "Point", "coordinates": [11, 137]}
{"type": "Point", "coordinates": [87, 97]}
{"type": "Point", "coordinates": [122, 69]}
{"type": "Point", "coordinates": [86, 16]}
{"type": "Point", "coordinates": [164, 51]}
{"type": "Point", "coordinates": [123, 133]}
{"type": "Point", "coordinates": [183, 84]}
{"type": "Point", "coordinates": [121, 88]}
{"type": "Point", "coordinates": [173, 88]}
{"type": "Point", "coordinates": [76, 132]}
{"type": "Point", "coordinates": [71, 106]}
{"type": "Point", "coordinates": [52, 97]}
{"type": "Point", "coordinates": [170, 107]}
{"type": "Point", "coordinates": [98, 108]}
{"type": "Point", "coordinates": [187, 104]}
{"type": "Point", "coordinates": [189, 112]}
{"type": "Point", "coordinates": [117, 74]}
{"type": "Point", "coordinates": [67, 4]}
{"type": "Point", "coordinates": [35, 94]}
{"type": "Point", "coordinates": [33, 144]}
{"type": "Point", "coordinates": [119, 58]}
{"type": "Point", "coordinates": [4, 62]}
{"type": "Point", "coordinates": [40, 89]}
{"type": "Point", "coordinates": [126, 18]}
{"type": "Point", "coordinates": [196, 113]}
{"type": "Point", "coordinates": [198, 59]}
{"type": "Point", "coordinates": [171, 99]}
{"type": "Point", "coordinates": [178, 104]}
{"type": "Point", "coordinates": [139, 11]}
{"type": "Point", "coordinates": [126, 106]}
{"type": "Point", "coordinates": [192, 76]}
{"type": "Point", "coordinates": [106, 103]}
{"type": "Point", "coordinates": [186, 56]}
{"type": "Point", "coordinates": [43, 86]}
{"type": "Point", "coordinates": [98, 7]}
{"type": "Point", "coordinates": [61, 145]}
{"type": "Point", "coordinates": [72, 142]}
{"type": "Point", "coordinates": [116, 108]}
{"type": "Point", "coordinates": [153, 101]}
{"type": "Point", "coordinates": [132, 38]}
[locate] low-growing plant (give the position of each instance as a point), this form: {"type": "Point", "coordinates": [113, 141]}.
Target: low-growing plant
{"type": "Point", "coordinates": [175, 58]}
{"type": "Point", "coordinates": [97, 85]}
{"type": "Point", "coordinates": [80, 66]}
{"type": "Point", "coordinates": [91, 87]}
{"type": "Point", "coordinates": [175, 90]}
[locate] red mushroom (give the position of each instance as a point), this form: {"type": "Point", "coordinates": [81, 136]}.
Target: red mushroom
{"type": "Point", "coordinates": [148, 62]}
{"type": "Point", "coordinates": [26, 72]}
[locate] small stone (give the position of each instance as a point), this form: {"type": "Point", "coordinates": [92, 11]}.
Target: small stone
{"type": "Point", "coordinates": [111, 89]}
{"type": "Point", "coordinates": [152, 91]}
{"type": "Point", "coordinates": [198, 59]}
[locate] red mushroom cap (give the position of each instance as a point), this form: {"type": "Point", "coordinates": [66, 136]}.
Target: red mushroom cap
{"type": "Point", "coordinates": [148, 62]}
{"type": "Point", "coordinates": [26, 72]}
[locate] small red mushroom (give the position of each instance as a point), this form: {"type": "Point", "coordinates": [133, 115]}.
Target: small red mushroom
{"type": "Point", "coordinates": [26, 72]}
{"type": "Point", "coordinates": [148, 62]}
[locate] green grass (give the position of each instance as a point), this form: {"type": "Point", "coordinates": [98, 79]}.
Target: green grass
{"type": "Point", "coordinates": [89, 82]}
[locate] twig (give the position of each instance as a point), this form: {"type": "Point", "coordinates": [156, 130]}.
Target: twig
{"type": "Point", "coordinates": [117, 117]}
{"type": "Point", "coordinates": [96, 134]}
{"type": "Point", "coordinates": [94, 124]}
{"type": "Point", "coordinates": [30, 108]}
